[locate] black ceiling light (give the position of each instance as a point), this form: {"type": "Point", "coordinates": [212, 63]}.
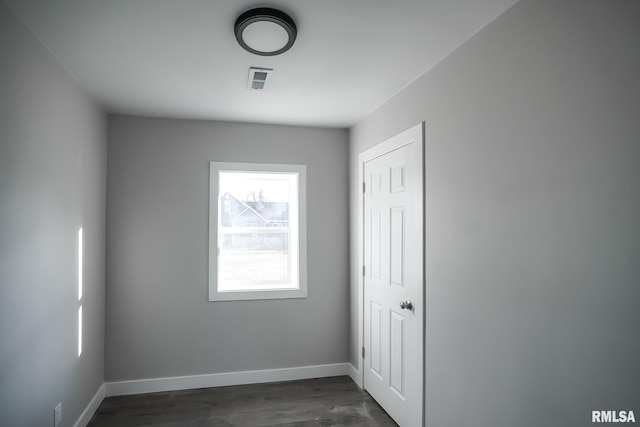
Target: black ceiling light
{"type": "Point", "coordinates": [265, 31]}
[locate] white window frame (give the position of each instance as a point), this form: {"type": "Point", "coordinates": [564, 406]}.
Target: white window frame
{"type": "Point", "coordinates": [214, 210]}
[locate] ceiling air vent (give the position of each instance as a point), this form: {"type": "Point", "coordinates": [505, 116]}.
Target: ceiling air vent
{"type": "Point", "coordinates": [258, 77]}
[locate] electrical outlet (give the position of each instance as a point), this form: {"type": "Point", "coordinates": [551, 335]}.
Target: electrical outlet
{"type": "Point", "coordinates": [57, 415]}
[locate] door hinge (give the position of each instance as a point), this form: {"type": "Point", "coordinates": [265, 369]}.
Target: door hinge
{"type": "Point", "coordinates": [363, 270]}
{"type": "Point", "coordinates": [363, 352]}
{"type": "Point", "coordinates": [364, 186]}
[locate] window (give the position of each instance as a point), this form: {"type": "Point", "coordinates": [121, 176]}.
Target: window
{"type": "Point", "coordinates": [257, 231]}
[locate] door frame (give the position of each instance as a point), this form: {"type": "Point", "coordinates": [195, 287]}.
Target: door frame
{"type": "Point", "coordinates": [413, 134]}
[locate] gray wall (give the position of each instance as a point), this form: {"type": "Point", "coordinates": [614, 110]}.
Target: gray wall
{"type": "Point", "coordinates": [532, 216]}
{"type": "Point", "coordinates": [52, 181]}
{"type": "Point", "coordinates": [159, 320]}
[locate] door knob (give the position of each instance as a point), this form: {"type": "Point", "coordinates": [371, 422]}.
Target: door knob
{"type": "Point", "coordinates": [406, 305]}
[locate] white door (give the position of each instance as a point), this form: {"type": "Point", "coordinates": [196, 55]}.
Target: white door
{"type": "Point", "coordinates": [393, 277]}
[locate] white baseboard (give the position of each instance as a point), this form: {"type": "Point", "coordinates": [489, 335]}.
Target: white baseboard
{"type": "Point", "coordinates": [92, 407]}
{"type": "Point", "coordinates": [152, 385]}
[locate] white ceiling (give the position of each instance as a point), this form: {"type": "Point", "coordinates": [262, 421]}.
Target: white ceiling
{"type": "Point", "coordinates": [180, 59]}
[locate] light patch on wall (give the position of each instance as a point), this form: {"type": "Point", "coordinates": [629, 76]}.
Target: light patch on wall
{"type": "Point", "coordinates": [80, 331]}
{"type": "Point", "coordinates": [80, 261]}
{"type": "Point", "coordinates": [80, 264]}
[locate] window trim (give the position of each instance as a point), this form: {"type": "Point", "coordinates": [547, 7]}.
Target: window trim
{"type": "Point", "coordinates": [214, 206]}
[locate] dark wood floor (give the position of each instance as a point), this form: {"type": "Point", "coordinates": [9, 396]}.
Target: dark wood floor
{"type": "Point", "coordinates": [335, 401]}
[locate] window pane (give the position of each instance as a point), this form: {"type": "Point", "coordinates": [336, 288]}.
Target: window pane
{"type": "Point", "coordinates": [257, 230]}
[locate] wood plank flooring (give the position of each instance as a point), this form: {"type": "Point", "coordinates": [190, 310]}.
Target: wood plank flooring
{"type": "Point", "coordinates": [335, 401]}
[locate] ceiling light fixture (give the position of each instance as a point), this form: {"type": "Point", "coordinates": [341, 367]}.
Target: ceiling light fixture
{"type": "Point", "coordinates": [265, 31]}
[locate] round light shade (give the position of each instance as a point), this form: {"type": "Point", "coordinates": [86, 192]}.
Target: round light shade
{"type": "Point", "coordinates": [265, 31]}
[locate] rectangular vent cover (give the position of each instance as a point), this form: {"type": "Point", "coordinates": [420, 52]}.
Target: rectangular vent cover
{"type": "Point", "coordinates": [258, 77]}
